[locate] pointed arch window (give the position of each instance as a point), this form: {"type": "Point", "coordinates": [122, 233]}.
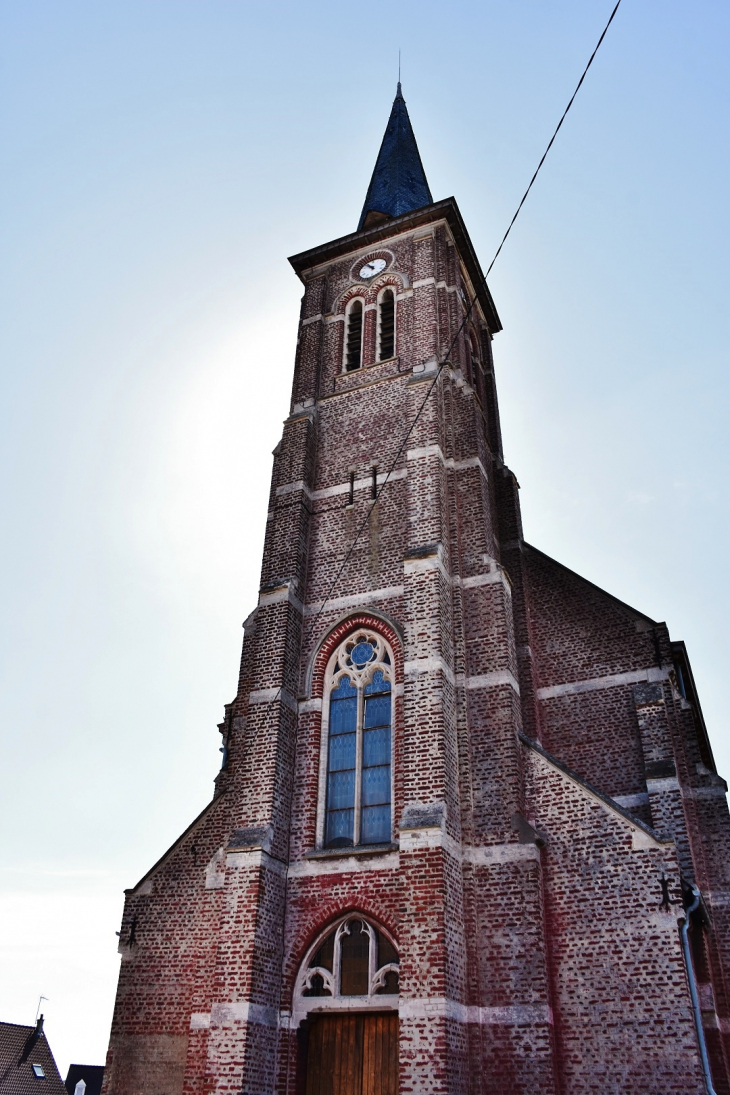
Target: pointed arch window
{"type": "Point", "coordinates": [353, 336]}
{"type": "Point", "coordinates": [386, 325]}
{"type": "Point", "coordinates": [358, 712]}
{"type": "Point", "coordinates": [355, 959]}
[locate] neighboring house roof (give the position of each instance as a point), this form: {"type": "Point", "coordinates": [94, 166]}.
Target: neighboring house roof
{"type": "Point", "coordinates": [91, 1075]}
{"type": "Point", "coordinates": [22, 1048]}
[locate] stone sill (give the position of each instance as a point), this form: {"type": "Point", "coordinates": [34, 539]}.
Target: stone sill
{"type": "Point", "coordinates": [353, 849]}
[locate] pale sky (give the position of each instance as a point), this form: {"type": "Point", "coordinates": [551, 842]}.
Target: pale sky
{"type": "Point", "coordinates": [160, 162]}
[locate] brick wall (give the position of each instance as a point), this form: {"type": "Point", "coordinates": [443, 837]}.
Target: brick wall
{"type": "Point", "coordinates": [534, 953]}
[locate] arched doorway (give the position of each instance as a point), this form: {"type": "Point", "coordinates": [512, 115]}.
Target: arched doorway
{"type": "Point", "coordinates": [347, 1005]}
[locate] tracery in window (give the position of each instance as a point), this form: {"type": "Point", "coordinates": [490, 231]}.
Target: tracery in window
{"type": "Point", "coordinates": [358, 784]}
{"type": "Point", "coordinates": [355, 959]}
{"type": "Point", "coordinates": [386, 325]}
{"type": "Point", "coordinates": [353, 338]}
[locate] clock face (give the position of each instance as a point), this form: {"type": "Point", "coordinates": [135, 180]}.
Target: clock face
{"type": "Point", "coordinates": [370, 269]}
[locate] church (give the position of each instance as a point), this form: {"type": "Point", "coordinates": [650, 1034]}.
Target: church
{"type": "Point", "coordinates": [468, 836]}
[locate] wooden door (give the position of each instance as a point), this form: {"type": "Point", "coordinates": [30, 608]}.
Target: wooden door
{"type": "Point", "coordinates": [353, 1055]}
{"type": "Point", "coordinates": [380, 1054]}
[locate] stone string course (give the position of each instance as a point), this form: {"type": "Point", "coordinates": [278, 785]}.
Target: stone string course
{"type": "Point", "coordinates": [531, 968]}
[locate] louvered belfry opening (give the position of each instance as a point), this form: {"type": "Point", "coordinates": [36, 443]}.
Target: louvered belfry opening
{"type": "Point", "coordinates": [473, 357]}
{"type": "Point", "coordinates": [387, 325]}
{"type": "Point", "coordinates": [353, 353]}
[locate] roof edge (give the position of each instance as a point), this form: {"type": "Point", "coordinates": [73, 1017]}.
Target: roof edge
{"type": "Point", "coordinates": [165, 855]}
{"type": "Point", "coordinates": [593, 585]}
{"type": "Point", "coordinates": [531, 743]}
{"type": "Point", "coordinates": [678, 646]}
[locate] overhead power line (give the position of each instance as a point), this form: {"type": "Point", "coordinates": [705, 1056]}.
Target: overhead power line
{"type": "Point", "coordinates": [550, 142]}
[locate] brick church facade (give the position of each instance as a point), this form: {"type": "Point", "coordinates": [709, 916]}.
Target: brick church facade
{"type": "Point", "coordinates": [468, 836]}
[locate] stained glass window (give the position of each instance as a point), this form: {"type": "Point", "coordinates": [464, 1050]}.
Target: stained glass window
{"type": "Point", "coordinates": [342, 764]}
{"type": "Point", "coordinates": [375, 822]}
{"type": "Point", "coordinates": [358, 808]}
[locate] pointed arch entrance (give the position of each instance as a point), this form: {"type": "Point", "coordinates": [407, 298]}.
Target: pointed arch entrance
{"type": "Point", "coordinates": [346, 1001]}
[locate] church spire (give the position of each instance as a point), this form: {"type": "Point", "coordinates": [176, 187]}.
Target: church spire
{"type": "Point", "coordinates": [399, 182]}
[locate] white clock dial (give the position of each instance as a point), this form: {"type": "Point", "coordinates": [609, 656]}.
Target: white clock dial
{"type": "Point", "coordinates": [370, 269]}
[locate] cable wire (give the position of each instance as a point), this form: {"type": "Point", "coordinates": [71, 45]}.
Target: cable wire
{"type": "Point", "coordinates": [550, 143]}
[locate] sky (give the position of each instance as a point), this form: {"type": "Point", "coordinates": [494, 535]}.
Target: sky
{"type": "Point", "coordinates": [160, 161]}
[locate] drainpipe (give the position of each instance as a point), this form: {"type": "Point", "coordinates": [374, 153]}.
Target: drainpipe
{"type": "Point", "coordinates": [683, 931]}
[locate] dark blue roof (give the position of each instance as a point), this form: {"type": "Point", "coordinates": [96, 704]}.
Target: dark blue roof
{"type": "Point", "coordinates": [399, 182]}
{"type": "Point", "coordinates": [92, 1075]}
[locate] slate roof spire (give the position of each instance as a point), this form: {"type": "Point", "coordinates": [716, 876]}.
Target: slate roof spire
{"type": "Point", "coordinates": [399, 182]}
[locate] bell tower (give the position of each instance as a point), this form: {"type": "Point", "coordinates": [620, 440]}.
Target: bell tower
{"type": "Point", "coordinates": [397, 885]}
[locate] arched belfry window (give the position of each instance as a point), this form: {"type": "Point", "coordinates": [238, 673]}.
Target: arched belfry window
{"type": "Point", "coordinates": [386, 325]}
{"type": "Point", "coordinates": [358, 717]}
{"type": "Point", "coordinates": [473, 347]}
{"type": "Point", "coordinates": [355, 959]}
{"type": "Point", "coordinates": [353, 336]}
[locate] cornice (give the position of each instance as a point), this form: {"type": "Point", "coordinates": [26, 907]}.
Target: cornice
{"type": "Point", "coordinates": [448, 210]}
